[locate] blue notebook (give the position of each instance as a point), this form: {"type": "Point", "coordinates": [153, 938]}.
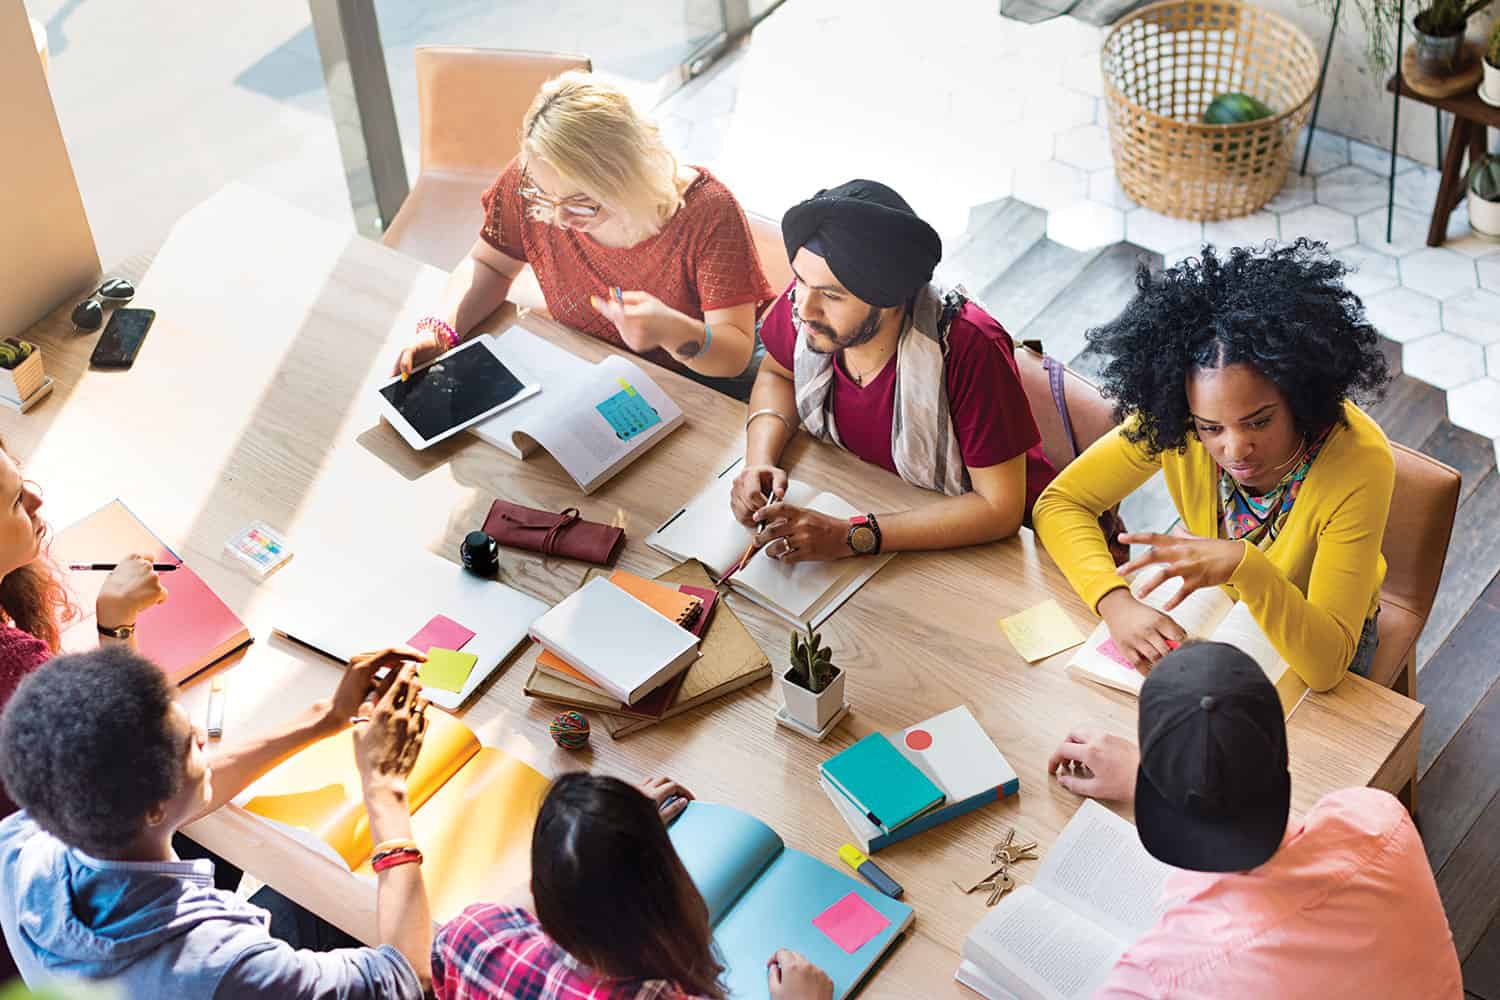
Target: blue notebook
{"type": "Point", "coordinates": [886, 787]}
{"type": "Point", "coordinates": [762, 895]}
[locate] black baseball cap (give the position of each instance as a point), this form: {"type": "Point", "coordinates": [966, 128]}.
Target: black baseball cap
{"type": "Point", "coordinates": [1213, 791]}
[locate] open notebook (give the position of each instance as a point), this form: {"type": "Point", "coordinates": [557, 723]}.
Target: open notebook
{"type": "Point", "coordinates": [191, 630]}
{"type": "Point", "coordinates": [473, 808]}
{"type": "Point", "coordinates": [1209, 613]}
{"type": "Point", "coordinates": [802, 593]}
{"type": "Point", "coordinates": [1059, 937]}
{"type": "Point", "coordinates": [595, 419]}
{"type": "Point", "coordinates": [762, 896]}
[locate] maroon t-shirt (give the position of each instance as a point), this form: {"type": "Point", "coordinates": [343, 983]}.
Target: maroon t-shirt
{"type": "Point", "coordinates": [991, 417]}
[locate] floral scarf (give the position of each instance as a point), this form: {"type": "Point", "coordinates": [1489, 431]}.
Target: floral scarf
{"type": "Point", "coordinates": [1258, 519]}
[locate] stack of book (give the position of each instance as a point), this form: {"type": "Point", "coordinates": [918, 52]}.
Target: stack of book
{"type": "Point", "coordinates": [728, 659]}
{"type": "Point", "coordinates": [887, 790]}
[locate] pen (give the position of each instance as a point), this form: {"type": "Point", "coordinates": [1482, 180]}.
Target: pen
{"type": "Point", "coordinates": [215, 727]}
{"type": "Point", "coordinates": [106, 567]}
{"type": "Point", "coordinates": [873, 873]}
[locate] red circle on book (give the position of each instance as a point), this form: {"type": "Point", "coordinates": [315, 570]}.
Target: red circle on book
{"type": "Point", "coordinates": [919, 739]}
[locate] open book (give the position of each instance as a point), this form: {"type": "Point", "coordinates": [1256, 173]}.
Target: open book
{"type": "Point", "coordinates": [595, 419]}
{"type": "Point", "coordinates": [473, 809]}
{"type": "Point", "coordinates": [1058, 938]}
{"type": "Point", "coordinates": [802, 593]}
{"type": "Point", "coordinates": [1210, 614]}
{"type": "Point", "coordinates": [762, 895]}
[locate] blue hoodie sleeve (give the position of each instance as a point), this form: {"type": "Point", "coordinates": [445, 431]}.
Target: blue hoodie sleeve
{"type": "Point", "coordinates": [275, 969]}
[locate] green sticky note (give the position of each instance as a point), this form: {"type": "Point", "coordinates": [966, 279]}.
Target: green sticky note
{"type": "Point", "coordinates": [447, 669]}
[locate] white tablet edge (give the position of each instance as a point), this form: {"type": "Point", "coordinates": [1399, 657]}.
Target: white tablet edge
{"type": "Point", "coordinates": [409, 433]}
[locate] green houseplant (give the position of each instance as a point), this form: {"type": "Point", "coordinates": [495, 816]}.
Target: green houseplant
{"type": "Point", "coordinates": [1439, 30]}
{"type": "Point", "coordinates": [813, 686]}
{"type": "Point", "coordinates": [1484, 196]}
{"type": "Point", "coordinates": [1489, 90]}
{"type": "Point", "coordinates": [1379, 19]}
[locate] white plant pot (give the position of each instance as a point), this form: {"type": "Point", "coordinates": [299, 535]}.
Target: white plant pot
{"type": "Point", "coordinates": [813, 710]}
{"type": "Point", "coordinates": [1484, 217]}
{"type": "Point", "coordinates": [1489, 89]}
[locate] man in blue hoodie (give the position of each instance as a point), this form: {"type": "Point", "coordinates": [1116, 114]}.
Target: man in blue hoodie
{"type": "Point", "coordinates": [106, 765]}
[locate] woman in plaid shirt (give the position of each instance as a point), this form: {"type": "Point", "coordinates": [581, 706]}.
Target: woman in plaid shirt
{"type": "Point", "coordinates": [617, 916]}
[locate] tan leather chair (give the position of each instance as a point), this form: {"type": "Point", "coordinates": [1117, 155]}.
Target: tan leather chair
{"type": "Point", "coordinates": [1092, 415]}
{"type": "Point", "coordinates": [772, 250]}
{"type": "Point", "coordinates": [470, 103]}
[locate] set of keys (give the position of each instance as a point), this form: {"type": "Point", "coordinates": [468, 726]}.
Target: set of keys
{"type": "Point", "coordinates": [997, 879]}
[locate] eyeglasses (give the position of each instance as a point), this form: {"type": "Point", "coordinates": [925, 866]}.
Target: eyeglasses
{"type": "Point", "coordinates": [88, 315]}
{"type": "Point", "coordinates": [578, 206]}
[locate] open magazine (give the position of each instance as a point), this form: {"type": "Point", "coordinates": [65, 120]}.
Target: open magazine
{"type": "Point", "coordinates": [595, 419]}
{"type": "Point", "coordinates": [802, 593]}
{"type": "Point", "coordinates": [1059, 937]}
{"type": "Point", "coordinates": [1210, 614]}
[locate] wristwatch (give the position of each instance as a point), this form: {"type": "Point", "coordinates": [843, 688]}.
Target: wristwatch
{"type": "Point", "coordinates": [119, 632]}
{"type": "Point", "coordinates": [864, 535]}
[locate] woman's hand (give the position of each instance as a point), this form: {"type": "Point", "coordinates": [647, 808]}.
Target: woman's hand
{"type": "Point", "coordinates": [358, 683]}
{"type": "Point", "coordinates": [799, 534]}
{"type": "Point", "coordinates": [420, 351]}
{"type": "Point", "coordinates": [1140, 632]}
{"type": "Point", "coordinates": [792, 977]}
{"type": "Point", "coordinates": [1201, 562]}
{"type": "Point", "coordinates": [670, 797]}
{"type": "Point", "coordinates": [131, 587]}
{"type": "Point", "coordinates": [1111, 764]}
{"type": "Point", "coordinates": [643, 320]}
{"type": "Point", "coordinates": [752, 488]}
{"type": "Point", "coordinates": [386, 747]}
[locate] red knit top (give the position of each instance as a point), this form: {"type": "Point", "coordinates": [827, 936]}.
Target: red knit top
{"type": "Point", "coordinates": [703, 259]}
{"type": "Point", "coordinates": [20, 654]}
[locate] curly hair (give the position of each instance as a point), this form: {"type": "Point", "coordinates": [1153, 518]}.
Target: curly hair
{"type": "Point", "coordinates": [87, 747]}
{"type": "Point", "coordinates": [1283, 310]}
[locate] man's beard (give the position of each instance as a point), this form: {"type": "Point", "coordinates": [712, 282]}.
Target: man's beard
{"type": "Point", "coordinates": [863, 335]}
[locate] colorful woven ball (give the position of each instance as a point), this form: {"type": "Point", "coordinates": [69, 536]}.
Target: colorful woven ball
{"type": "Point", "coordinates": [570, 730]}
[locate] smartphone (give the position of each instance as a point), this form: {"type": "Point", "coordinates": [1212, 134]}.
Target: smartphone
{"type": "Point", "coordinates": [122, 338]}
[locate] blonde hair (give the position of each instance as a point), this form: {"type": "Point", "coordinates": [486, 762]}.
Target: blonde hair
{"type": "Point", "coordinates": [591, 133]}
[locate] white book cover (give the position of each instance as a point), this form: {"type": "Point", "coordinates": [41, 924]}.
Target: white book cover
{"type": "Point", "coordinates": [413, 587]}
{"type": "Point", "coordinates": [595, 419]}
{"type": "Point", "coordinates": [622, 644]}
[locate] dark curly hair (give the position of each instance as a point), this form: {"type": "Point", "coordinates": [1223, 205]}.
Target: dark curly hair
{"type": "Point", "coordinates": [87, 749]}
{"type": "Point", "coordinates": [1283, 310]}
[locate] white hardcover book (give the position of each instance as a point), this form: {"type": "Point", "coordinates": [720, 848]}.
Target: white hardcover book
{"type": "Point", "coordinates": [595, 419]}
{"type": "Point", "coordinates": [802, 593]}
{"type": "Point", "coordinates": [1058, 938]}
{"type": "Point", "coordinates": [623, 645]}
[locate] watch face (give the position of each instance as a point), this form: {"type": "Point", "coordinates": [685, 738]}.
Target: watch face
{"type": "Point", "coordinates": [862, 539]}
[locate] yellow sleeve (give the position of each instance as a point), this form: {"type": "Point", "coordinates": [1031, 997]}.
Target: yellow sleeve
{"type": "Point", "coordinates": [1317, 632]}
{"type": "Point", "coordinates": [1066, 515]}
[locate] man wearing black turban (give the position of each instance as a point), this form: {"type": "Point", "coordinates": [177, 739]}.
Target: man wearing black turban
{"type": "Point", "coordinates": [865, 351]}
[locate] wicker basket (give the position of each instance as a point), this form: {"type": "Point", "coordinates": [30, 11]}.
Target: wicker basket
{"type": "Point", "coordinates": [1162, 66]}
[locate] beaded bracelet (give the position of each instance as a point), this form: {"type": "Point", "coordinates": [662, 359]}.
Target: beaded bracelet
{"type": "Point", "coordinates": [439, 328]}
{"type": "Point", "coordinates": [394, 859]}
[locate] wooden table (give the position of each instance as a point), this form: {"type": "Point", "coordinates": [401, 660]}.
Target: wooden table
{"type": "Point", "coordinates": [1472, 120]}
{"type": "Point", "coordinates": [250, 400]}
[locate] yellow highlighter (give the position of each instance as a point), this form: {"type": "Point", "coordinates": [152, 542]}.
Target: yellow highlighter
{"type": "Point", "coordinates": [856, 859]}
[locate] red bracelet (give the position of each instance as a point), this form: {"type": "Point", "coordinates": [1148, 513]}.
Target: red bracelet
{"type": "Point", "coordinates": [392, 859]}
{"type": "Point", "coordinates": [440, 329]}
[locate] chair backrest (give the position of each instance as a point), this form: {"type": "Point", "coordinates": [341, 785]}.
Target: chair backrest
{"type": "Point", "coordinates": [471, 102]}
{"type": "Point", "coordinates": [1091, 414]}
{"type": "Point", "coordinates": [1423, 505]}
{"type": "Point", "coordinates": [772, 250]}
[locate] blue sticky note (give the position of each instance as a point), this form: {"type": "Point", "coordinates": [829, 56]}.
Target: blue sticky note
{"type": "Point", "coordinates": [627, 413]}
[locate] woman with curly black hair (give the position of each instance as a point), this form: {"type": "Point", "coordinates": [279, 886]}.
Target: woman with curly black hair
{"type": "Point", "coordinates": [1234, 374]}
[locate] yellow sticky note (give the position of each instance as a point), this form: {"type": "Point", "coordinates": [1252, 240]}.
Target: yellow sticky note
{"type": "Point", "coordinates": [447, 669]}
{"type": "Point", "coordinates": [1041, 631]}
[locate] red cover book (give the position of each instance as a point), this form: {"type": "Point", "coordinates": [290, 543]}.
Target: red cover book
{"type": "Point", "coordinates": [189, 631]}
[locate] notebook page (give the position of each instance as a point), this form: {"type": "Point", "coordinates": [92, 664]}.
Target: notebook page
{"type": "Point", "coordinates": [724, 850]}
{"type": "Point", "coordinates": [1099, 869]}
{"type": "Point", "coordinates": [796, 587]}
{"type": "Point", "coordinates": [706, 530]}
{"type": "Point", "coordinates": [1199, 612]}
{"type": "Point", "coordinates": [1038, 949]}
{"type": "Point", "coordinates": [537, 362]}
{"type": "Point", "coordinates": [1240, 629]}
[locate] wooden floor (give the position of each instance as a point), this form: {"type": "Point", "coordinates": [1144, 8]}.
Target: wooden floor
{"type": "Point", "coordinates": [1042, 290]}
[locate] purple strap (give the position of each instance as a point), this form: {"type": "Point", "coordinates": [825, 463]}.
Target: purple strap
{"type": "Point", "coordinates": [1055, 378]}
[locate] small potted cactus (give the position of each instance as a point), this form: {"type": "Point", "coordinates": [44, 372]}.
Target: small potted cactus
{"type": "Point", "coordinates": [812, 687]}
{"type": "Point", "coordinates": [1489, 90]}
{"type": "Point", "coordinates": [1484, 197]}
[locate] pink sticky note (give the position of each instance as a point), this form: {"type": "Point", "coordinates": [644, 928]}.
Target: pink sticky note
{"type": "Point", "coordinates": [851, 923]}
{"type": "Point", "coordinates": [441, 631]}
{"type": "Point", "coordinates": [1109, 649]}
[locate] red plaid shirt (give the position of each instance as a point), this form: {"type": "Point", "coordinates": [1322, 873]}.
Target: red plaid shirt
{"type": "Point", "coordinates": [492, 951]}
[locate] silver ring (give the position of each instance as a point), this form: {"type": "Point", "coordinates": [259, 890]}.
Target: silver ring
{"type": "Point", "coordinates": [787, 547]}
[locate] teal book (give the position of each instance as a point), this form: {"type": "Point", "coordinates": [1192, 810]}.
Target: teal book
{"type": "Point", "coordinates": [886, 787]}
{"type": "Point", "coordinates": [763, 895]}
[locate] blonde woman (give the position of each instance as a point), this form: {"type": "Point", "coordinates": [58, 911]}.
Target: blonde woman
{"type": "Point", "coordinates": [625, 244]}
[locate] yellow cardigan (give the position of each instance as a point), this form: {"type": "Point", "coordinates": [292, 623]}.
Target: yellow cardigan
{"type": "Point", "coordinates": [1311, 590]}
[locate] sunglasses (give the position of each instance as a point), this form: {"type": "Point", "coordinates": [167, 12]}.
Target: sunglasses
{"type": "Point", "coordinates": [88, 315]}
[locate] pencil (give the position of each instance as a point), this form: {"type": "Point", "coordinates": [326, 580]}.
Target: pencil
{"type": "Point", "coordinates": [106, 567]}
